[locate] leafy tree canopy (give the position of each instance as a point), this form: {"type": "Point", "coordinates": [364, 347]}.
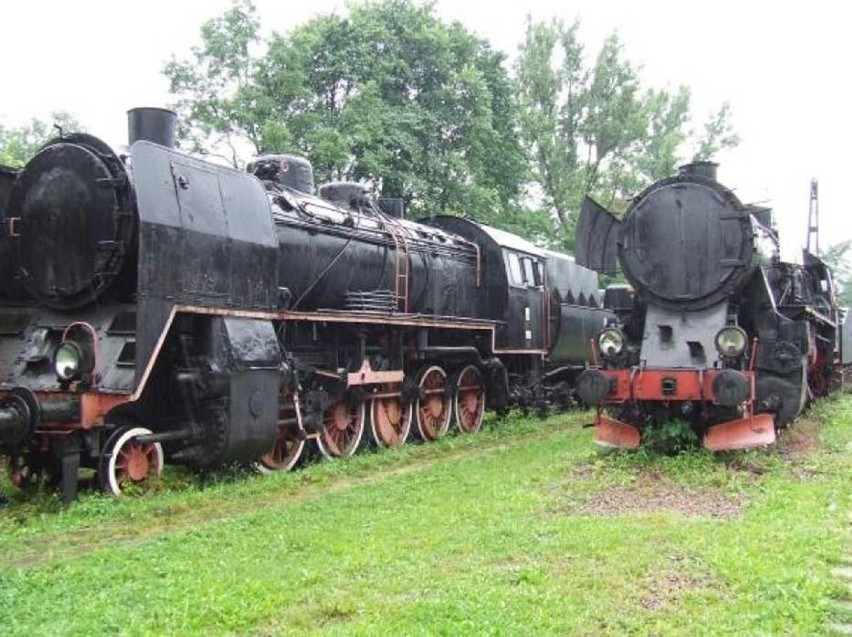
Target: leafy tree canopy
{"type": "Point", "coordinates": [839, 258]}
{"type": "Point", "coordinates": [590, 128]}
{"type": "Point", "coordinates": [19, 144]}
{"type": "Point", "coordinates": [388, 94]}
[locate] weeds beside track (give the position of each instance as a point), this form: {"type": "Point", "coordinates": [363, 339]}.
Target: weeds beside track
{"type": "Point", "coordinates": [522, 529]}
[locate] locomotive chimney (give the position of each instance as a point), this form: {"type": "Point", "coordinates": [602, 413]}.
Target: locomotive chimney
{"type": "Point", "coordinates": [151, 124]}
{"type": "Point", "coordinates": [703, 169]}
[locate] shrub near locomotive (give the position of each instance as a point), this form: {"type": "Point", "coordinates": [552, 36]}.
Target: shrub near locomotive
{"type": "Point", "coordinates": [158, 307]}
{"type": "Point", "coordinates": [716, 330]}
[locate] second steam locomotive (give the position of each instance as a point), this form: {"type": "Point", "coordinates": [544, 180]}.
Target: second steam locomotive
{"type": "Point", "coordinates": [716, 329]}
{"type": "Point", "coordinates": [154, 306]}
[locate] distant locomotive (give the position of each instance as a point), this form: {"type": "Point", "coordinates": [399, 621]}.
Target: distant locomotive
{"type": "Point", "coordinates": [158, 307]}
{"type": "Point", "coordinates": [715, 329]}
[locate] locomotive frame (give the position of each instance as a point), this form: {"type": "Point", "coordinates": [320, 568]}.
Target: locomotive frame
{"type": "Point", "coordinates": [157, 307]}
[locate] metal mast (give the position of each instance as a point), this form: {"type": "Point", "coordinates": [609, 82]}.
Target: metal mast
{"type": "Point", "coordinates": [813, 219]}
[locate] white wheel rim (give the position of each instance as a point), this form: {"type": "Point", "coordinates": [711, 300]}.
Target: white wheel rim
{"type": "Point", "coordinates": [128, 435]}
{"type": "Point", "coordinates": [356, 443]}
{"type": "Point", "coordinates": [406, 429]}
{"type": "Point", "coordinates": [445, 425]}
{"type": "Point", "coordinates": [265, 469]}
{"type": "Point", "coordinates": [457, 403]}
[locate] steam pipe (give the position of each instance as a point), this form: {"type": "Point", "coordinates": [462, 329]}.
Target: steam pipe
{"type": "Point", "coordinates": [60, 410]}
{"type": "Point", "coordinates": [462, 350]}
{"type": "Point", "coordinates": [11, 418]}
{"type": "Point", "coordinates": [15, 420]}
{"type": "Point", "coordinates": [166, 436]}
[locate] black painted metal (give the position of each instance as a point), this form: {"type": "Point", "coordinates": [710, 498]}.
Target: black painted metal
{"type": "Point", "coordinates": [76, 223]}
{"type": "Point", "coordinates": [593, 386]}
{"type": "Point", "coordinates": [248, 350]}
{"type": "Point", "coordinates": [7, 178]}
{"type": "Point", "coordinates": [14, 421]}
{"type": "Point", "coordinates": [326, 253]}
{"type": "Point", "coordinates": [573, 292]}
{"type": "Point", "coordinates": [286, 171]}
{"type": "Point", "coordinates": [157, 125]}
{"type": "Point", "coordinates": [686, 243]}
{"type": "Point", "coordinates": [573, 330]}
{"type": "Point", "coordinates": [570, 282]}
{"type": "Point", "coordinates": [702, 169]}
{"type": "Point", "coordinates": [392, 207]}
{"type": "Point", "coordinates": [731, 388]}
{"type": "Point", "coordinates": [699, 260]}
{"type": "Point", "coordinates": [117, 251]}
{"type": "Point", "coordinates": [213, 225]}
{"type": "Point", "coordinates": [9, 286]}
{"type": "Point", "coordinates": [596, 238]}
{"type": "Point", "coordinates": [518, 308]}
{"type": "Point", "coordinates": [494, 282]}
{"type": "Point", "coordinates": [348, 194]}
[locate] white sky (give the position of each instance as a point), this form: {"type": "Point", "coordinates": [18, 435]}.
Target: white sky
{"type": "Point", "coordinates": [780, 65]}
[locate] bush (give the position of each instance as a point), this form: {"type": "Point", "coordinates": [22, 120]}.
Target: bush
{"type": "Point", "coordinates": [669, 438]}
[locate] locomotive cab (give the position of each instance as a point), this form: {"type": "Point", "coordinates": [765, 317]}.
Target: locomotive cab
{"type": "Point", "coordinates": [549, 308]}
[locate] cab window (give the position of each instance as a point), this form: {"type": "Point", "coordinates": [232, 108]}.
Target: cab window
{"type": "Point", "coordinates": [524, 271]}
{"type": "Point", "coordinates": [529, 271]}
{"type": "Point", "coordinates": [516, 276]}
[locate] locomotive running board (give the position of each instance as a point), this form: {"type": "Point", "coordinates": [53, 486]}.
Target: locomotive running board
{"type": "Point", "coordinates": [613, 433]}
{"type": "Point", "coordinates": [757, 431]}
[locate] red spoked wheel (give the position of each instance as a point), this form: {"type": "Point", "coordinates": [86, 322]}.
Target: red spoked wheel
{"type": "Point", "coordinates": [469, 400]}
{"type": "Point", "coordinates": [343, 429]}
{"type": "Point", "coordinates": [390, 419]}
{"type": "Point", "coordinates": [286, 452]}
{"type": "Point", "coordinates": [126, 462]}
{"type": "Point", "coordinates": [432, 412]}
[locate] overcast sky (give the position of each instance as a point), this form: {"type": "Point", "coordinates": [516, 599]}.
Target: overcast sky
{"type": "Point", "coordinates": [782, 66]}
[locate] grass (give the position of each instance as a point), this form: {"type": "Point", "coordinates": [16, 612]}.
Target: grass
{"type": "Point", "coordinates": [521, 529]}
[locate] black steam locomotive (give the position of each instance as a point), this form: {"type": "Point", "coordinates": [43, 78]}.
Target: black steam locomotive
{"type": "Point", "coordinates": [715, 329]}
{"type": "Point", "coordinates": [159, 307]}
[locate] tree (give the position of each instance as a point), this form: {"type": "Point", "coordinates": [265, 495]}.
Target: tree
{"type": "Point", "coordinates": [718, 134]}
{"type": "Point", "coordinates": [387, 94]}
{"type": "Point", "coordinates": [215, 87]}
{"type": "Point", "coordinates": [839, 258]}
{"type": "Point", "coordinates": [19, 144]}
{"type": "Point", "coordinates": [593, 130]}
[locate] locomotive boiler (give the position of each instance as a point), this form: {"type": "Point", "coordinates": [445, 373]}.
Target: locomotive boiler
{"type": "Point", "coordinates": [714, 328]}
{"type": "Point", "coordinates": [156, 307]}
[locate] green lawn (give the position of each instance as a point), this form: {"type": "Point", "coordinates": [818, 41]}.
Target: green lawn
{"type": "Point", "coordinates": [523, 529]}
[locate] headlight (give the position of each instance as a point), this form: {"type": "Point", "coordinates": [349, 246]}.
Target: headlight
{"type": "Point", "coordinates": [731, 341]}
{"type": "Point", "coordinates": [68, 361]}
{"type": "Point", "coordinates": [611, 341]}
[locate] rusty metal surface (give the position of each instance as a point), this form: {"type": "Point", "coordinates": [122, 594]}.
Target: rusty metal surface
{"type": "Point", "coordinates": [613, 433]}
{"type": "Point", "coordinates": [745, 433]}
{"type": "Point", "coordinates": [651, 384]}
{"type": "Point", "coordinates": [367, 376]}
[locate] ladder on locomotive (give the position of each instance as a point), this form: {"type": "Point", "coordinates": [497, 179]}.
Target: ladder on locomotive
{"type": "Point", "coordinates": [402, 260]}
